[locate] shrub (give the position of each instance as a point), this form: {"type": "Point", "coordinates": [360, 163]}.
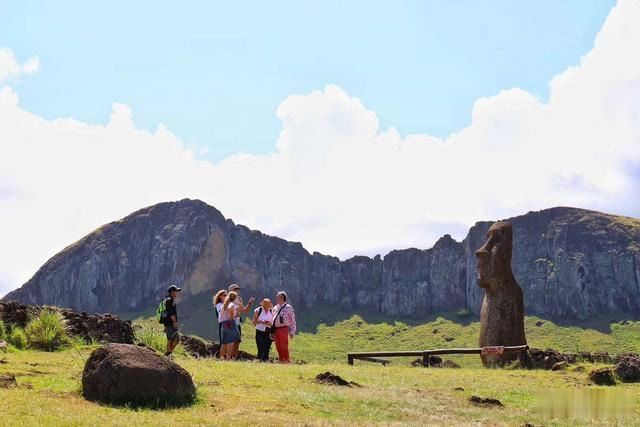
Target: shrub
{"type": "Point", "coordinates": [463, 313]}
{"type": "Point", "coordinates": [18, 338]}
{"type": "Point", "coordinates": [3, 331]}
{"type": "Point", "coordinates": [47, 332]}
{"type": "Point", "coordinates": [151, 337]}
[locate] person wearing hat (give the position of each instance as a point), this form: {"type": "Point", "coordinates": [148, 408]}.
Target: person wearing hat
{"type": "Point", "coordinates": [240, 309]}
{"type": "Point", "coordinates": [171, 320]}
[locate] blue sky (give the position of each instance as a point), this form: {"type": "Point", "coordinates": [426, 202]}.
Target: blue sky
{"type": "Point", "coordinates": [215, 72]}
{"type": "Point", "coordinates": [368, 126]}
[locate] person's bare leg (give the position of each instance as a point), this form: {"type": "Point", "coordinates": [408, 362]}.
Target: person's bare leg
{"type": "Point", "coordinates": [223, 351]}
{"type": "Point", "coordinates": [236, 349]}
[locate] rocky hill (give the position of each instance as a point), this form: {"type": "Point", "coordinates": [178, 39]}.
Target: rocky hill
{"type": "Point", "coordinates": [571, 263]}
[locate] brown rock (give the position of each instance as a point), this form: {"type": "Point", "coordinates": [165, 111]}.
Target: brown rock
{"type": "Point", "coordinates": [127, 374]}
{"type": "Point", "coordinates": [628, 369]}
{"type": "Point", "coordinates": [99, 327]}
{"type": "Point", "coordinates": [560, 366]}
{"type": "Point", "coordinates": [332, 379]}
{"type": "Point", "coordinates": [449, 364]}
{"type": "Point", "coordinates": [485, 401]}
{"type": "Point", "coordinates": [502, 312]}
{"type": "Point", "coordinates": [602, 376]}
{"type": "Point", "coordinates": [8, 381]}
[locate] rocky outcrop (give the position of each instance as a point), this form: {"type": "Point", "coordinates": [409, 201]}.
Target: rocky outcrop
{"type": "Point", "coordinates": [127, 374]}
{"type": "Point", "coordinates": [628, 368]}
{"type": "Point", "coordinates": [195, 347]}
{"type": "Point", "coordinates": [105, 328]}
{"type": "Point", "coordinates": [570, 263]}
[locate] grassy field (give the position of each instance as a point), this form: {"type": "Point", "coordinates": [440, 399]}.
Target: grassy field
{"type": "Point", "coordinates": [328, 336]}
{"type": "Point", "coordinates": [245, 393]}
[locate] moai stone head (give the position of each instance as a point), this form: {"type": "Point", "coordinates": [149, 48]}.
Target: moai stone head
{"type": "Point", "coordinates": [494, 258]}
{"type": "Point", "coordinates": [502, 311]}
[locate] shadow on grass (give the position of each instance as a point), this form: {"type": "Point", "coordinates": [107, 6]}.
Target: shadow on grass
{"type": "Point", "coordinates": [151, 405]}
{"type": "Point", "coordinates": [310, 320]}
{"type": "Point", "coordinates": [601, 323]}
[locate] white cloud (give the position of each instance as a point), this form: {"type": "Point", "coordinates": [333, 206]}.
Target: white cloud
{"type": "Point", "coordinates": [10, 68]}
{"type": "Point", "coordinates": [335, 180]}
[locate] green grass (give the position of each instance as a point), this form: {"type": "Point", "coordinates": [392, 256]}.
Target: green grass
{"type": "Point", "coordinates": [18, 338]}
{"type": "Point", "coordinates": [326, 336]}
{"type": "Point", "coordinates": [330, 340]}
{"type": "Point", "coordinates": [47, 332]}
{"type": "Point", "coordinates": [243, 393]}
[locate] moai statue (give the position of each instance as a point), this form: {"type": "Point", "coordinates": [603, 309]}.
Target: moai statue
{"type": "Point", "coordinates": [502, 312]}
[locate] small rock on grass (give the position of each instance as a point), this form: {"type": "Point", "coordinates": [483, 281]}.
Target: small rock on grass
{"type": "Point", "coordinates": [8, 381]}
{"type": "Point", "coordinates": [560, 366]}
{"type": "Point", "coordinates": [333, 379]}
{"type": "Point", "coordinates": [485, 401]}
{"type": "Point", "coordinates": [449, 364]}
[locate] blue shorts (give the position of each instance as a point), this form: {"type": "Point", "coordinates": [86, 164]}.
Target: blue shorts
{"type": "Point", "coordinates": [230, 332]}
{"type": "Point", "coordinates": [172, 333]}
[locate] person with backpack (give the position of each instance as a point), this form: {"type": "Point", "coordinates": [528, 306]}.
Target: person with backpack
{"type": "Point", "coordinates": [262, 319]}
{"type": "Point", "coordinates": [168, 315]}
{"type": "Point", "coordinates": [230, 333]}
{"type": "Point", "coordinates": [283, 327]}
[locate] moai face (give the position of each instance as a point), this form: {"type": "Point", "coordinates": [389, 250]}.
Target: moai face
{"type": "Point", "coordinates": [494, 257]}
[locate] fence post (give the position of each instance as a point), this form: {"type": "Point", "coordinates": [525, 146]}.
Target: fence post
{"type": "Point", "coordinates": [425, 359]}
{"type": "Point", "coordinates": [350, 359]}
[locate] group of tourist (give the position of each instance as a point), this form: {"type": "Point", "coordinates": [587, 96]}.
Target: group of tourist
{"type": "Point", "coordinates": [272, 323]}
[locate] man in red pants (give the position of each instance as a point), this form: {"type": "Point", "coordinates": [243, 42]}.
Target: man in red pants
{"type": "Point", "coordinates": [284, 326]}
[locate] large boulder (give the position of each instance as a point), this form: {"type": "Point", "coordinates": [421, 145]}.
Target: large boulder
{"type": "Point", "coordinates": [628, 368]}
{"type": "Point", "coordinates": [128, 374]}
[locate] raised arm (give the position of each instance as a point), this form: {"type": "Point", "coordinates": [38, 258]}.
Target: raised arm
{"type": "Point", "coordinates": [245, 308]}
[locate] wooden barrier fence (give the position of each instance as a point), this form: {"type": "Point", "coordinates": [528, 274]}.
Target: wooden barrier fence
{"type": "Point", "coordinates": [376, 356]}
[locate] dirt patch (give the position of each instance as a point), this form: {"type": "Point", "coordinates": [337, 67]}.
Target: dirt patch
{"type": "Point", "coordinates": [8, 381]}
{"type": "Point", "coordinates": [485, 401]}
{"type": "Point", "coordinates": [332, 379]}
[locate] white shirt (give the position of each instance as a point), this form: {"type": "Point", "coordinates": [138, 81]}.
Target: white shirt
{"type": "Point", "coordinates": [266, 316]}
{"type": "Point", "coordinates": [238, 318]}
{"type": "Point", "coordinates": [225, 314]}
{"type": "Point", "coordinates": [219, 308]}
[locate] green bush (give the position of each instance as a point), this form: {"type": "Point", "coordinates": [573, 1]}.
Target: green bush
{"type": "Point", "coordinates": [463, 313]}
{"type": "Point", "coordinates": [3, 331]}
{"type": "Point", "coordinates": [151, 337]}
{"type": "Point", "coordinates": [18, 338]}
{"type": "Point", "coordinates": [47, 332]}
